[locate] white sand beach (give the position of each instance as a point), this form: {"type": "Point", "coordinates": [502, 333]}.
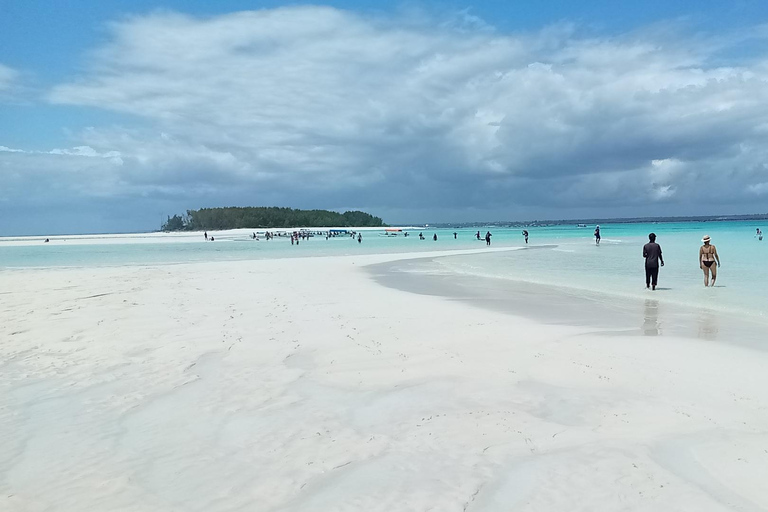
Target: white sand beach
{"type": "Point", "coordinates": [304, 385]}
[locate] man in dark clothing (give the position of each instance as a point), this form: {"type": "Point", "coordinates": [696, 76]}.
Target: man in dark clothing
{"type": "Point", "coordinates": [652, 255]}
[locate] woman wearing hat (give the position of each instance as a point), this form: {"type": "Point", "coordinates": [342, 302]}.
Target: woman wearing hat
{"type": "Point", "coordinates": [707, 258]}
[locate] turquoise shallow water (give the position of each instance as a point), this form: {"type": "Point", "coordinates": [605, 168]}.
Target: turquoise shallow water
{"type": "Point", "coordinates": [557, 255]}
{"type": "Point", "coordinates": [568, 258]}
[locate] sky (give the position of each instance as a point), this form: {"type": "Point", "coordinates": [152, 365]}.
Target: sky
{"type": "Point", "coordinates": [114, 115]}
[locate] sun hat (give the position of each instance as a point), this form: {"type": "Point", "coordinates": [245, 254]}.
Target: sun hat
{"type": "Point", "coordinates": [705, 239]}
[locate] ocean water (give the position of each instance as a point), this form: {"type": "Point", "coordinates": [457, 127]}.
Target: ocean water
{"type": "Point", "coordinates": [558, 255]}
{"type": "Point", "coordinates": [568, 257]}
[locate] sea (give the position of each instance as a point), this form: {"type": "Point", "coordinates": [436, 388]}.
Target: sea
{"type": "Point", "coordinates": [563, 256]}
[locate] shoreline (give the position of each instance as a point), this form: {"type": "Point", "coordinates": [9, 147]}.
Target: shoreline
{"type": "Point", "coordinates": [168, 236]}
{"type": "Point", "coordinates": [571, 305]}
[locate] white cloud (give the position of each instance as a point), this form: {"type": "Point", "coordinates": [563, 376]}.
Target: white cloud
{"type": "Point", "coordinates": [8, 78]}
{"type": "Point", "coordinates": [758, 188]}
{"type": "Point", "coordinates": [81, 151]}
{"type": "Point", "coordinates": [282, 105]}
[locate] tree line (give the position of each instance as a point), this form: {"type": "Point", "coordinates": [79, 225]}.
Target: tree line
{"type": "Point", "coordinates": [266, 217]}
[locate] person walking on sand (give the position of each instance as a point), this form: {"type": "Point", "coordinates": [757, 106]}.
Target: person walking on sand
{"type": "Point", "coordinates": [597, 235]}
{"type": "Point", "coordinates": [525, 234]}
{"type": "Point", "coordinates": [652, 255]}
{"type": "Point", "coordinates": [488, 236]}
{"type": "Point", "coordinates": [206, 236]}
{"type": "Point", "coordinates": [707, 258]}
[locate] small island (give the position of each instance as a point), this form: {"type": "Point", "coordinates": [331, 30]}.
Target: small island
{"type": "Point", "coordinates": [266, 217]}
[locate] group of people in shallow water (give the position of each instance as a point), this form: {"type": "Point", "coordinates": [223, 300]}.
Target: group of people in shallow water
{"type": "Point", "coordinates": [709, 260]}
{"type": "Point", "coordinates": [488, 236]}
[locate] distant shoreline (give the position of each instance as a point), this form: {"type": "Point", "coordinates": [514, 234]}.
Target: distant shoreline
{"type": "Point", "coordinates": [445, 225]}
{"type": "Point", "coordinates": [622, 220]}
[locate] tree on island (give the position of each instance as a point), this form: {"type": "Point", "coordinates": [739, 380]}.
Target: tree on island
{"type": "Point", "coordinates": [266, 217]}
{"type": "Point", "coordinates": [175, 223]}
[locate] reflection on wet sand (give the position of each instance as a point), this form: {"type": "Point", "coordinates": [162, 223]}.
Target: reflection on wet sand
{"type": "Point", "coordinates": [708, 325]}
{"type": "Point", "coordinates": [651, 325]}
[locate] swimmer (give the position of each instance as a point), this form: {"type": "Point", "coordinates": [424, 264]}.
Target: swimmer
{"type": "Point", "coordinates": [707, 258]}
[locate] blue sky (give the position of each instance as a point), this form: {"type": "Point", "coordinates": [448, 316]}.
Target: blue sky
{"type": "Point", "coordinates": [114, 114]}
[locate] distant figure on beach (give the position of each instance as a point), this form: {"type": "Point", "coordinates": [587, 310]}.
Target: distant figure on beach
{"type": "Point", "coordinates": [434, 237]}
{"type": "Point", "coordinates": [421, 236]}
{"type": "Point", "coordinates": [46, 241]}
{"type": "Point", "coordinates": [206, 236]}
{"type": "Point", "coordinates": [478, 235]}
{"type": "Point", "coordinates": [759, 234]}
{"type": "Point", "coordinates": [488, 236]}
{"type": "Point", "coordinates": [652, 255]}
{"type": "Point", "coordinates": [359, 239]}
{"type": "Point", "coordinates": [212, 239]}
{"type": "Point", "coordinates": [454, 235]}
{"type": "Point", "coordinates": [525, 234]}
{"type": "Point", "coordinates": [597, 234]}
{"type": "Point", "coordinates": [291, 239]}
{"type": "Point", "coordinates": [707, 258]}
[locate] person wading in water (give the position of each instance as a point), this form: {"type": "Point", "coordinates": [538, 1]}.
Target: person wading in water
{"type": "Point", "coordinates": [707, 256]}
{"type": "Point", "coordinates": [652, 255]}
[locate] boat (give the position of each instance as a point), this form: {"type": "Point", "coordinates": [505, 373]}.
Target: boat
{"type": "Point", "coordinates": [392, 232]}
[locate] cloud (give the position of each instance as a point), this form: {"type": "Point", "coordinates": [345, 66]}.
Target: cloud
{"type": "Point", "coordinates": [8, 78]}
{"type": "Point", "coordinates": [758, 188]}
{"type": "Point", "coordinates": [314, 106]}
{"type": "Point", "coordinates": [82, 151]}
